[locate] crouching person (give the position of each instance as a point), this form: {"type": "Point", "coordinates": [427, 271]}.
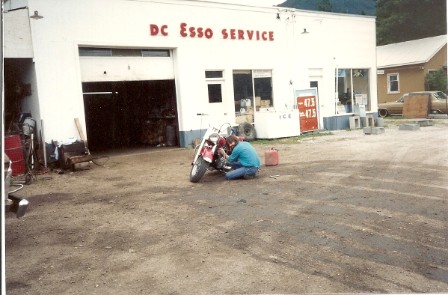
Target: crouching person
{"type": "Point", "coordinates": [243, 159]}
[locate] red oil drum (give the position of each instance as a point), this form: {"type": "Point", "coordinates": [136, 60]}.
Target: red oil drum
{"type": "Point", "coordinates": [14, 150]}
{"type": "Point", "coordinates": [271, 157]}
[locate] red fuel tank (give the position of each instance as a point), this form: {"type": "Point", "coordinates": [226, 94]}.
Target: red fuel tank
{"type": "Point", "coordinates": [271, 157]}
{"type": "Point", "coordinates": [14, 150]}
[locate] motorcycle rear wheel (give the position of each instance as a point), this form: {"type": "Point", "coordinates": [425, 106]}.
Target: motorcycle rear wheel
{"type": "Point", "coordinates": [198, 169]}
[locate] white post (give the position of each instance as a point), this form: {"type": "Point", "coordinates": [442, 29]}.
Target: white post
{"type": "Point", "coordinates": [336, 88]}
{"type": "Point", "coordinates": [42, 138]}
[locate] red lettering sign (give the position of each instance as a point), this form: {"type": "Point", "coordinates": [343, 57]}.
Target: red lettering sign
{"type": "Point", "coordinates": [240, 34]}
{"type": "Point", "coordinates": [224, 34]}
{"type": "Point", "coordinates": [200, 32]}
{"type": "Point", "coordinates": [155, 30]}
{"type": "Point", "coordinates": [183, 30]}
{"type": "Point", "coordinates": [232, 34]}
{"type": "Point", "coordinates": [263, 36]}
{"type": "Point", "coordinates": [247, 34]}
{"type": "Point", "coordinates": [193, 32]}
{"type": "Point", "coordinates": [164, 29]}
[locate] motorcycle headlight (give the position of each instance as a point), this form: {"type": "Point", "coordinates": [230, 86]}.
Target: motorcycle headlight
{"type": "Point", "coordinates": [214, 137]}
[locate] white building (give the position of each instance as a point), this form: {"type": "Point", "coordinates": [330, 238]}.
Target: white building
{"type": "Point", "coordinates": [160, 71]}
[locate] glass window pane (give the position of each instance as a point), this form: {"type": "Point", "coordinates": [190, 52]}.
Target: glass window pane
{"type": "Point", "coordinates": [214, 93]}
{"type": "Point", "coordinates": [155, 53]}
{"type": "Point", "coordinates": [353, 87]}
{"type": "Point", "coordinates": [213, 74]}
{"type": "Point", "coordinates": [361, 87]}
{"type": "Point", "coordinates": [344, 86]}
{"type": "Point", "coordinates": [92, 51]}
{"type": "Point", "coordinates": [126, 52]}
{"type": "Point", "coordinates": [242, 87]}
{"type": "Point", "coordinates": [263, 90]}
{"type": "Point", "coordinates": [393, 83]}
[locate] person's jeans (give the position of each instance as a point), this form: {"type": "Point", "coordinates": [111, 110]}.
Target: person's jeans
{"type": "Point", "coordinates": [239, 171]}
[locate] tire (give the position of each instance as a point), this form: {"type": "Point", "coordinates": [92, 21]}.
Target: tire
{"type": "Point", "coordinates": [28, 179]}
{"type": "Point", "coordinates": [198, 169]}
{"type": "Point", "coordinates": [383, 113]}
{"type": "Point", "coordinates": [247, 131]}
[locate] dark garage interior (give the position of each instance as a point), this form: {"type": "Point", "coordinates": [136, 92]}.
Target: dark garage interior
{"type": "Point", "coordinates": [129, 114]}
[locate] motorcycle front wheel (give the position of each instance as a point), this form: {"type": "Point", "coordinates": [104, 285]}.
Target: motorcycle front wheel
{"type": "Point", "coordinates": [198, 169]}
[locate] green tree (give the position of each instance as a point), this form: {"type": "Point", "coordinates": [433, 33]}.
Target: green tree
{"type": "Point", "coordinates": [403, 20]}
{"type": "Point", "coordinates": [436, 81]}
{"type": "Point", "coordinates": [366, 7]}
{"type": "Point", "coordinates": [325, 5]}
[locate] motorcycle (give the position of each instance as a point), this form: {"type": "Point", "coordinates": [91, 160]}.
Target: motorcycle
{"type": "Point", "coordinates": [206, 154]}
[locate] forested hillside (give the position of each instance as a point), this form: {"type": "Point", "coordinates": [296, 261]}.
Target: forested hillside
{"type": "Point", "coordinates": [396, 20]}
{"type": "Point", "coordinates": [366, 7]}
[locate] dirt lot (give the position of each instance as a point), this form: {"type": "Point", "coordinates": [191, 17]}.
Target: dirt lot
{"type": "Point", "coordinates": [343, 213]}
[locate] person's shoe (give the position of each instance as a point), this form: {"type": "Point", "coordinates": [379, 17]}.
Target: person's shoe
{"type": "Point", "coordinates": [249, 176]}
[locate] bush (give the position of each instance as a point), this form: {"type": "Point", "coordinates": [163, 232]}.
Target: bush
{"type": "Point", "coordinates": [436, 81]}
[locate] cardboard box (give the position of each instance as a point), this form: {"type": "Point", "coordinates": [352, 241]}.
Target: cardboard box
{"type": "Point", "coordinates": [416, 106]}
{"type": "Point", "coordinates": [244, 118]}
{"type": "Point", "coordinates": [265, 103]}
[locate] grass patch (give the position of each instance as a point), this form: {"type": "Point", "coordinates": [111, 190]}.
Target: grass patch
{"type": "Point", "coordinates": [398, 120]}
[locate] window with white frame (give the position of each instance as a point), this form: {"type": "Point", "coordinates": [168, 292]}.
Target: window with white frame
{"type": "Point", "coordinates": [352, 88]}
{"type": "Point", "coordinates": [393, 83]}
{"type": "Point", "coordinates": [214, 80]}
{"type": "Point", "coordinates": [252, 90]}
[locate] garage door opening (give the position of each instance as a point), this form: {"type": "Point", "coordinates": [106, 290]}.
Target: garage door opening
{"type": "Point", "coordinates": [130, 114]}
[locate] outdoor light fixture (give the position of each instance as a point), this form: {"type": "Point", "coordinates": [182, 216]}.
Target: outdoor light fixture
{"type": "Point", "coordinates": [305, 31]}
{"type": "Point", "coordinates": [36, 15]}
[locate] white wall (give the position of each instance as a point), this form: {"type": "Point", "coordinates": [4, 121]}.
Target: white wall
{"type": "Point", "coordinates": [17, 34]}
{"type": "Point", "coordinates": [335, 40]}
{"type": "Point", "coordinates": [97, 69]}
{"type": "Point", "coordinates": [346, 40]}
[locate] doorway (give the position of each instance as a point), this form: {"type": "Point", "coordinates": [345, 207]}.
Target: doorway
{"type": "Point", "coordinates": [128, 114]}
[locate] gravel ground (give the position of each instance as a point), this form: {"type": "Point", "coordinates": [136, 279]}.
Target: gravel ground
{"type": "Point", "coordinates": [343, 212]}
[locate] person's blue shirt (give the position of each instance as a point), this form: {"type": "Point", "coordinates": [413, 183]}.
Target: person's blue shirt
{"type": "Point", "coordinates": [245, 154]}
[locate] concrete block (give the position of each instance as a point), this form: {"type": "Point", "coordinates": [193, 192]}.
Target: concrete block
{"type": "Point", "coordinates": [364, 122]}
{"type": "Point", "coordinates": [368, 121]}
{"type": "Point", "coordinates": [410, 127]}
{"type": "Point", "coordinates": [377, 130]}
{"type": "Point", "coordinates": [424, 122]}
{"type": "Point", "coordinates": [373, 130]}
{"type": "Point", "coordinates": [438, 116]}
{"type": "Point", "coordinates": [367, 130]}
{"type": "Point", "coordinates": [354, 122]}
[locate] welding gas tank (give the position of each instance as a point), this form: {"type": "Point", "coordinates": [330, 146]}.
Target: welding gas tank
{"type": "Point", "coordinates": [271, 157]}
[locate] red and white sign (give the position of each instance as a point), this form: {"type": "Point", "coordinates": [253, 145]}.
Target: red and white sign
{"type": "Point", "coordinates": [307, 106]}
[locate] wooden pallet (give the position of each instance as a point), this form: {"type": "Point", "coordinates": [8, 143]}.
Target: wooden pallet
{"type": "Point", "coordinates": [73, 160]}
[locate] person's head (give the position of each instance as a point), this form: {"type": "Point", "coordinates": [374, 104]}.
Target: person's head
{"type": "Point", "coordinates": [232, 141]}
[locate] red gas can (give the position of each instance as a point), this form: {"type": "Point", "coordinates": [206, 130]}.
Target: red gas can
{"type": "Point", "coordinates": [271, 157]}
